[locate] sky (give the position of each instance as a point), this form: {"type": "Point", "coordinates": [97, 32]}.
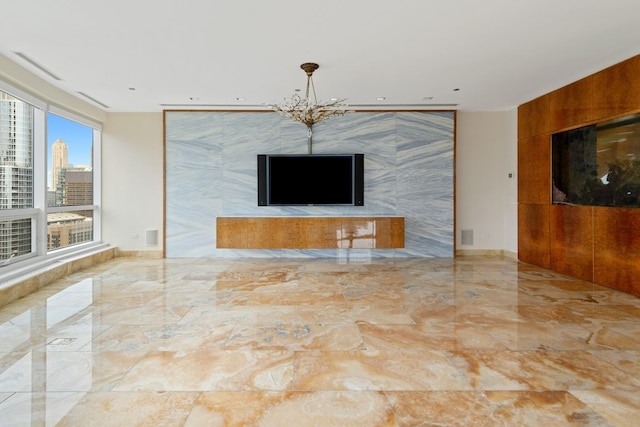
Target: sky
{"type": "Point", "coordinates": [78, 137]}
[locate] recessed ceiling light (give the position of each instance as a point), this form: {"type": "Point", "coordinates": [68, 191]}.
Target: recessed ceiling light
{"type": "Point", "coordinates": [380, 98]}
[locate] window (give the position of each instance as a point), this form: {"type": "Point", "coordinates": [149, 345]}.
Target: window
{"type": "Point", "coordinates": [16, 177]}
{"type": "Point", "coordinates": [69, 182]}
{"type": "Point", "coordinates": [49, 183]}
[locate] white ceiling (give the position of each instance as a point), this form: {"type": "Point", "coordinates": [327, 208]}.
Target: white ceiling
{"type": "Point", "coordinates": [498, 53]}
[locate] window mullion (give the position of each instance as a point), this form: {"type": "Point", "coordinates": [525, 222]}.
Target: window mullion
{"type": "Point", "coordinates": [97, 186]}
{"type": "Point", "coordinates": [40, 180]}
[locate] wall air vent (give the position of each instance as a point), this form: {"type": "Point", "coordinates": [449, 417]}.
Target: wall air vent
{"type": "Point", "coordinates": [219, 106]}
{"type": "Point", "coordinates": [35, 64]}
{"type": "Point", "coordinates": [93, 100]}
{"type": "Point", "coordinates": [467, 237]}
{"type": "Point", "coordinates": [402, 106]}
{"type": "Point", "coordinates": [350, 106]}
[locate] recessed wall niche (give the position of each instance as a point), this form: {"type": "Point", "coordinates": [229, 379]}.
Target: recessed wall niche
{"type": "Point", "coordinates": [598, 165]}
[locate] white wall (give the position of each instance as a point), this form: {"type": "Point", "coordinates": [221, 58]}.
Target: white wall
{"type": "Point", "coordinates": [486, 152]}
{"type": "Point", "coordinates": [486, 198]}
{"type": "Point", "coordinates": [132, 180]}
{"type": "Point", "coordinates": [510, 199]}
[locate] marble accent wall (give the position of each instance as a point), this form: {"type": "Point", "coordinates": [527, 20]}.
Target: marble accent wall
{"type": "Point", "coordinates": [210, 161]}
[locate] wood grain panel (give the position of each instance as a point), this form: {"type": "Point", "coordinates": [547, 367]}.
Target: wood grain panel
{"type": "Point", "coordinates": [231, 232]}
{"type": "Point", "coordinates": [534, 169]}
{"type": "Point", "coordinates": [373, 232]}
{"type": "Point", "coordinates": [533, 234]}
{"type": "Point", "coordinates": [264, 233]}
{"type": "Point", "coordinates": [362, 233]}
{"type": "Point", "coordinates": [291, 232]}
{"type": "Point", "coordinates": [617, 248]}
{"type": "Point", "coordinates": [617, 89]}
{"type": "Point", "coordinates": [316, 233]}
{"type": "Point", "coordinates": [309, 232]}
{"type": "Point", "coordinates": [533, 117]}
{"type": "Point", "coordinates": [557, 237]}
{"type": "Point", "coordinates": [571, 105]}
{"type": "Point", "coordinates": [571, 240]}
{"type": "Point", "coordinates": [396, 231]}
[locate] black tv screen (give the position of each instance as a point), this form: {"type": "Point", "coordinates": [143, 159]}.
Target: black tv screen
{"type": "Point", "coordinates": [313, 179]}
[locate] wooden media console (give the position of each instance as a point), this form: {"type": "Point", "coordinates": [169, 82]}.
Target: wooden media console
{"type": "Point", "coordinates": [310, 232]}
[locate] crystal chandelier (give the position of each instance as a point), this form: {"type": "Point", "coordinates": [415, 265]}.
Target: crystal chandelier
{"type": "Point", "coordinates": [308, 110]}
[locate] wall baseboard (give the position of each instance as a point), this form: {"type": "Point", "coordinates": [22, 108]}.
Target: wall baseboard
{"type": "Point", "coordinates": [139, 254]}
{"type": "Point", "coordinates": [487, 253]}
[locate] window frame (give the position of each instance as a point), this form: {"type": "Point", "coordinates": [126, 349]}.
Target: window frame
{"type": "Point", "coordinates": [39, 255]}
{"type": "Point", "coordinates": [97, 195]}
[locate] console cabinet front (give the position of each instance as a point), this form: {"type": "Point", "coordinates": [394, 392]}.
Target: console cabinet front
{"type": "Point", "coordinates": [309, 232]}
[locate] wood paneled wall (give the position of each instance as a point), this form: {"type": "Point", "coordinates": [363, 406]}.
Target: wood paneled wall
{"type": "Point", "coordinates": [599, 244]}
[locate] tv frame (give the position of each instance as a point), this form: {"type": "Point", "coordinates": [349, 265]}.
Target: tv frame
{"type": "Point", "coordinates": [357, 182]}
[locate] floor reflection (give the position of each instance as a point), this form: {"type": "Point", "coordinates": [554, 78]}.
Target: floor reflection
{"type": "Point", "coordinates": [392, 342]}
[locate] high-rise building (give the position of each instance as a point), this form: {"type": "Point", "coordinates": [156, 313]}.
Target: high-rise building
{"type": "Point", "coordinates": [68, 228]}
{"type": "Point", "coordinates": [59, 160]}
{"type": "Point", "coordinates": [16, 173]}
{"type": "Point", "coordinates": [75, 188]}
{"type": "Point", "coordinates": [78, 185]}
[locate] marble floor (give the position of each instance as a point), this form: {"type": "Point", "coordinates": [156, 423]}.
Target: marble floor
{"type": "Point", "coordinates": [320, 342]}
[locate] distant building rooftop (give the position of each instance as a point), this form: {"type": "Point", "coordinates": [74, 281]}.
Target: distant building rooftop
{"type": "Point", "coordinates": [66, 217]}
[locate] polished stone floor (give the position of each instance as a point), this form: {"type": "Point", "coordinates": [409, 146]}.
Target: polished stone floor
{"type": "Point", "coordinates": [334, 342]}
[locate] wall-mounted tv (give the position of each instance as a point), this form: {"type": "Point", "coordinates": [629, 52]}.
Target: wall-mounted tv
{"type": "Point", "coordinates": [310, 179]}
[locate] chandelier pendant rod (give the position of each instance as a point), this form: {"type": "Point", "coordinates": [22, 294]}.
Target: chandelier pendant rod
{"type": "Point", "coordinates": [308, 111]}
{"type": "Point", "coordinates": [315, 101]}
{"type": "Point", "coordinates": [313, 88]}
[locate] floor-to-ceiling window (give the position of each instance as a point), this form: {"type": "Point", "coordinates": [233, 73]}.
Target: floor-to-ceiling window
{"type": "Point", "coordinates": [70, 203]}
{"type": "Point", "coordinates": [49, 180]}
{"type": "Point", "coordinates": [17, 213]}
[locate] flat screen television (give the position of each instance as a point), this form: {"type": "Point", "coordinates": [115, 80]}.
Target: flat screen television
{"type": "Point", "coordinates": [310, 179]}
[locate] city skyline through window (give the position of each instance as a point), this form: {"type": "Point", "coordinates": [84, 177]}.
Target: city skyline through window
{"type": "Point", "coordinates": [70, 182]}
{"type": "Point", "coordinates": [77, 137]}
{"type": "Point", "coordinates": [16, 177]}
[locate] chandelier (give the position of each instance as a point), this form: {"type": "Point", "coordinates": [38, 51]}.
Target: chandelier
{"type": "Point", "coordinates": [308, 110]}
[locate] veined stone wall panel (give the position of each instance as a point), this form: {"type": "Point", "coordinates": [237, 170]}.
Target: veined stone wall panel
{"type": "Point", "coordinates": [211, 171]}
